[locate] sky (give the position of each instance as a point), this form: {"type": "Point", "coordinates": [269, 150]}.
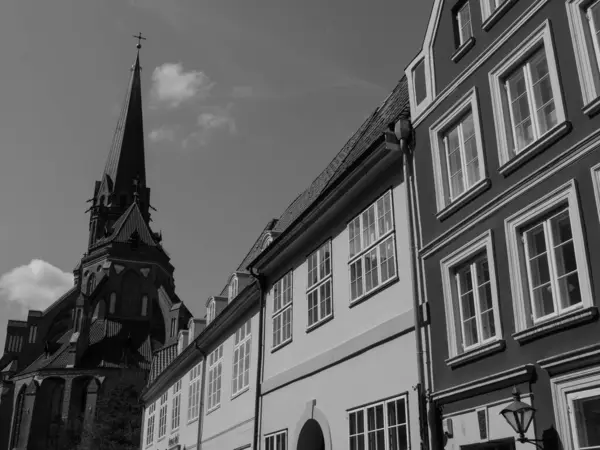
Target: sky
{"type": "Point", "coordinates": [244, 106]}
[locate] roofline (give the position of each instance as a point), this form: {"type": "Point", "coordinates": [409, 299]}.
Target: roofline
{"type": "Point", "coordinates": [249, 296]}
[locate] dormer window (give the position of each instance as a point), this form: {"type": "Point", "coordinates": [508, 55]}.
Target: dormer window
{"type": "Point", "coordinates": [233, 288]}
{"type": "Point", "coordinates": [32, 334]}
{"type": "Point", "coordinates": [210, 312]}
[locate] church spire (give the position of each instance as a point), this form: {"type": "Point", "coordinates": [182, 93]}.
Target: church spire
{"type": "Point", "coordinates": [124, 177]}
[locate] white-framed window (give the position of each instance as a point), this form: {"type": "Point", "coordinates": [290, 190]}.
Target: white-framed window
{"type": "Point", "coordinates": [488, 7]}
{"type": "Point", "coordinates": [319, 295]}
{"type": "Point", "coordinates": [471, 295]}
{"type": "Point", "coordinates": [150, 424]}
{"type": "Point", "coordinates": [241, 358]}
{"type": "Point", "coordinates": [576, 398]}
{"type": "Point", "coordinates": [464, 27]}
{"type": "Point", "coordinates": [210, 311]}
{"type": "Point", "coordinates": [162, 415]}
{"type": "Point", "coordinates": [194, 392]}
{"type": "Point", "coordinates": [233, 288]}
{"type": "Point", "coordinates": [382, 425]}
{"type": "Point", "coordinates": [457, 151]}
{"type": "Point", "coordinates": [584, 24]}
{"type": "Point", "coordinates": [282, 310]}
{"type": "Point", "coordinates": [215, 367]}
{"type": "Point", "coordinates": [419, 75]}
{"type": "Point", "coordinates": [112, 304]}
{"type": "Point", "coordinates": [276, 441]}
{"type": "Point", "coordinates": [176, 406]}
{"type": "Point", "coordinates": [372, 248]}
{"type": "Point", "coordinates": [547, 258]}
{"type": "Point", "coordinates": [526, 97]}
{"type": "Point", "coordinates": [144, 305]}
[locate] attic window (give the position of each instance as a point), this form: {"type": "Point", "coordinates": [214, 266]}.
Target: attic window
{"type": "Point", "coordinates": [210, 312]}
{"type": "Point", "coordinates": [233, 288]}
{"type": "Point", "coordinates": [419, 85]}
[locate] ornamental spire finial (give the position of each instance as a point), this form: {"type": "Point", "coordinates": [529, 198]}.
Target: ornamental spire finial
{"type": "Point", "coordinates": [140, 38]}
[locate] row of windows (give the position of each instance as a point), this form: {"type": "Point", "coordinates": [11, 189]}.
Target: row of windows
{"type": "Point", "coordinates": [378, 426]}
{"type": "Point", "coordinates": [239, 383]}
{"type": "Point", "coordinates": [14, 343]}
{"type": "Point", "coordinates": [371, 264]}
{"type": "Point", "coordinates": [548, 273]}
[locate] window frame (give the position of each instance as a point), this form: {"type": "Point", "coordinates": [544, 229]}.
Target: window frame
{"type": "Point", "coordinates": [490, 16]}
{"type": "Point", "coordinates": [514, 227]}
{"type": "Point", "coordinates": [215, 376]}
{"type": "Point", "coordinates": [417, 109]}
{"type": "Point", "coordinates": [482, 244]}
{"type": "Point", "coordinates": [150, 424]}
{"type": "Point", "coordinates": [210, 311]}
{"type": "Point", "coordinates": [509, 158]}
{"type": "Point", "coordinates": [321, 281]}
{"type": "Point", "coordinates": [378, 240]}
{"type": "Point", "coordinates": [437, 132]}
{"type": "Point", "coordinates": [587, 54]}
{"type": "Point", "coordinates": [232, 290]}
{"type": "Point", "coordinates": [163, 416]}
{"type": "Point", "coordinates": [386, 427]}
{"type": "Point", "coordinates": [242, 341]}
{"type": "Point", "coordinates": [273, 436]}
{"type": "Point", "coordinates": [194, 392]}
{"type": "Point", "coordinates": [462, 40]}
{"type": "Point", "coordinates": [176, 406]}
{"type": "Point", "coordinates": [280, 312]}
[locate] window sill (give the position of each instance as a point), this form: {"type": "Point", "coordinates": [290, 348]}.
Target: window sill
{"type": "Point", "coordinates": [195, 419]}
{"type": "Point", "coordinates": [476, 353]}
{"type": "Point", "coordinates": [592, 108]}
{"type": "Point", "coordinates": [451, 208]}
{"type": "Point", "coordinates": [280, 346]}
{"type": "Point", "coordinates": [557, 324]}
{"type": "Point", "coordinates": [161, 439]}
{"type": "Point", "coordinates": [535, 148]}
{"type": "Point", "coordinates": [237, 394]}
{"type": "Point", "coordinates": [373, 292]}
{"type": "Point", "coordinates": [213, 409]}
{"type": "Point", "coordinates": [318, 324]}
{"type": "Point", "coordinates": [497, 14]}
{"type": "Point", "coordinates": [463, 49]}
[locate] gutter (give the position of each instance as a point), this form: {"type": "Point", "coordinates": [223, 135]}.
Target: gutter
{"type": "Point", "coordinates": [400, 139]}
{"type": "Point", "coordinates": [201, 405]}
{"type": "Point", "coordinates": [260, 281]}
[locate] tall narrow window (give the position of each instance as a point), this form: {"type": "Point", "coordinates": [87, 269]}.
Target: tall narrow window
{"type": "Point", "coordinates": [194, 394]}
{"type": "Point", "coordinates": [241, 359]}
{"type": "Point", "coordinates": [173, 326]}
{"type": "Point", "coordinates": [282, 310]}
{"type": "Point", "coordinates": [461, 157]}
{"type": "Point", "coordinates": [176, 407]}
{"type": "Point", "coordinates": [112, 306]}
{"type": "Point", "coordinates": [150, 424]}
{"type": "Point", "coordinates": [210, 312]}
{"type": "Point", "coordinates": [77, 320]}
{"type": "Point", "coordinates": [162, 418]}
{"type": "Point", "coordinates": [215, 367]}
{"type": "Point", "coordinates": [91, 285]}
{"type": "Point", "coordinates": [463, 23]}
{"type": "Point", "coordinates": [233, 288]}
{"type": "Point", "coordinates": [372, 248]}
{"type": "Point", "coordinates": [593, 15]}
{"type": "Point", "coordinates": [32, 334]}
{"type": "Point", "coordinates": [144, 305]}
{"type": "Point", "coordinates": [320, 305]}
{"type": "Point", "coordinates": [419, 83]}
{"type": "Point", "coordinates": [19, 409]}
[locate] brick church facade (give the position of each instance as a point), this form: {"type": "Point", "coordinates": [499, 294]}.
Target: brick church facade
{"type": "Point", "coordinates": [122, 308]}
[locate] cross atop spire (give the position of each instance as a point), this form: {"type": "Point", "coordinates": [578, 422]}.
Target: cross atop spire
{"type": "Point", "coordinates": [140, 38]}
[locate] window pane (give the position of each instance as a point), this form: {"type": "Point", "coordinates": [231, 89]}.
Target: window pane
{"type": "Point", "coordinates": [587, 420]}
{"type": "Point", "coordinates": [368, 223]}
{"type": "Point", "coordinates": [419, 82]}
{"type": "Point", "coordinates": [354, 236]}
{"type": "Point", "coordinates": [387, 260]}
{"type": "Point", "coordinates": [371, 275]}
{"type": "Point", "coordinates": [356, 279]}
{"type": "Point", "coordinates": [542, 90]}
{"type": "Point", "coordinates": [464, 23]}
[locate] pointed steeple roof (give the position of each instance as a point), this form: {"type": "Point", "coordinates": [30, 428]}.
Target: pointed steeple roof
{"type": "Point", "coordinates": [126, 160]}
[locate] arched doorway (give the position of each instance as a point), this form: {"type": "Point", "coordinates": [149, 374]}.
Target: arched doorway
{"type": "Point", "coordinates": [311, 436]}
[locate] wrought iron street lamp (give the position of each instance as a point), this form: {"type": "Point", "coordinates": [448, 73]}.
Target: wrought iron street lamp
{"type": "Point", "coordinates": [519, 416]}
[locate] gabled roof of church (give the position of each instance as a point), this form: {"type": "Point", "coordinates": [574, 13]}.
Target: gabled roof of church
{"type": "Point", "coordinates": [130, 221]}
{"type": "Point", "coordinates": [126, 160]}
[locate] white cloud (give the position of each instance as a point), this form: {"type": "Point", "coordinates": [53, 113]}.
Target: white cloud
{"type": "Point", "coordinates": [208, 124]}
{"type": "Point", "coordinates": [35, 285]}
{"type": "Point", "coordinates": [171, 85]}
{"type": "Point", "coordinates": [162, 134]}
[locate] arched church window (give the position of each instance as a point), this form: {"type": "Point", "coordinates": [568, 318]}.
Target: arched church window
{"type": "Point", "coordinates": [113, 303]}
{"type": "Point", "coordinates": [91, 284]}
{"type": "Point", "coordinates": [18, 419]}
{"type": "Point", "coordinates": [144, 305]}
{"type": "Point", "coordinates": [78, 321]}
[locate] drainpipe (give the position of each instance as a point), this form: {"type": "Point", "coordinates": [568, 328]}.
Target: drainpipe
{"type": "Point", "coordinates": [399, 140]}
{"type": "Point", "coordinates": [201, 405]}
{"type": "Point", "coordinates": [260, 281]}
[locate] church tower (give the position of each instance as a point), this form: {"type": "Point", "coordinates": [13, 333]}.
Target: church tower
{"type": "Point", "coordinates": [104, 331]}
